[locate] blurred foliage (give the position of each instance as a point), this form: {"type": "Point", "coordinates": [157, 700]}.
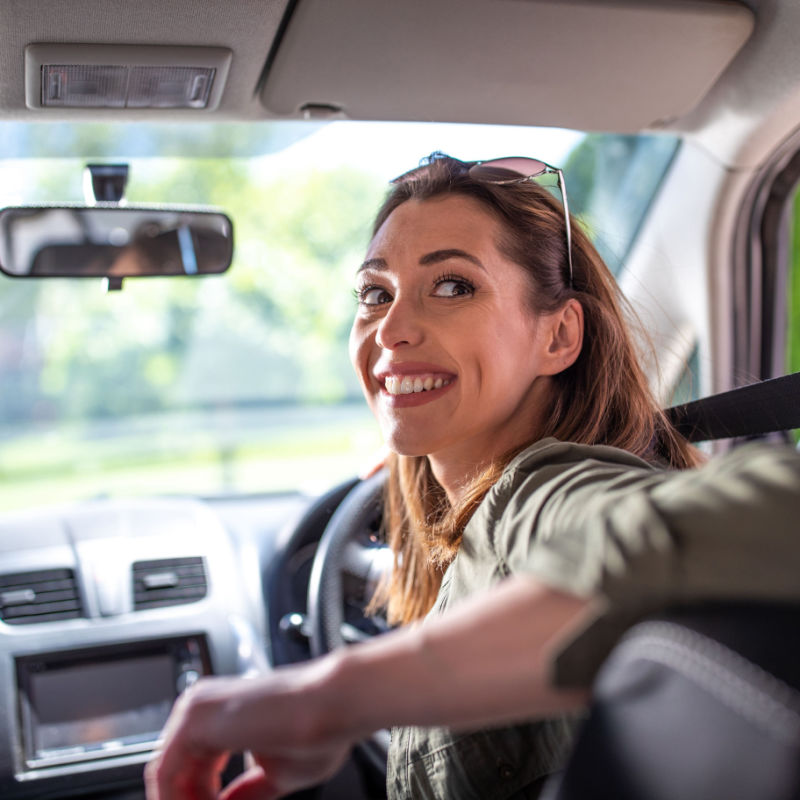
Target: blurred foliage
{"type": "Point", "coordinates": [106, 141]}
{"type": "Point", "coordinates": [273, 329]}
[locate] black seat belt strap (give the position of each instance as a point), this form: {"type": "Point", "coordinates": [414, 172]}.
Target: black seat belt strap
{"type": "Point", "coordinates": [765, 407]}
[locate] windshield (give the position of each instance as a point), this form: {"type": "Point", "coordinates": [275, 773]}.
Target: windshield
{"type": "Point", "coordinates": [238, 383]}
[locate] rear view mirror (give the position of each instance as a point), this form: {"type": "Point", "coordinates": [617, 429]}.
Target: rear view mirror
{"type": "Point", "coordinates": [113, 241]}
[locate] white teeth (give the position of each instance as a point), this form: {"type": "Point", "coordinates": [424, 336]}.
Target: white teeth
{"type": "Point", "coordinates": [411, 385]}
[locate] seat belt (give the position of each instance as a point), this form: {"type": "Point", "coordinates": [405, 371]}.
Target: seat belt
{"type": "Point", "coordinates": [765, 407]}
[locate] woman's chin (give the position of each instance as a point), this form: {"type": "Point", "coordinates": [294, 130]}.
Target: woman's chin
{"type": "Point", "coordinates": [409, 452]}
{"type": "Point", "coordinates": [407, 446]}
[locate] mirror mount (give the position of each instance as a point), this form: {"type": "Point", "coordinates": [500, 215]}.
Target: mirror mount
{"type": "Point", "coordinates": [105, 183]}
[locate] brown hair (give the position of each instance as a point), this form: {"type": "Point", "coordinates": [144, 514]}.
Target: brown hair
{"type": "Point", "coordinates": [602, 398]}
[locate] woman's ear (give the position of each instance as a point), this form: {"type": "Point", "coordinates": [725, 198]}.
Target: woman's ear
{"type": "Point", "coordinates": [564, 337]}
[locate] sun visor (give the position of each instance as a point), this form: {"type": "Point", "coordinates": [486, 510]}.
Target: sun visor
{"type": "Point", "coordinates": [584, 64]}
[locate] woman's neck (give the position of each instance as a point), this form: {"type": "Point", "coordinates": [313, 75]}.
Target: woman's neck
{"type": "Point", "coordinates": [457, 466]}
{"type": "Point", "coordinates": [455, 477]}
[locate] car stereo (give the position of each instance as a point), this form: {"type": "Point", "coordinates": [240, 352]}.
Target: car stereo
{"type": "Point", "coordinates": [82, 705]}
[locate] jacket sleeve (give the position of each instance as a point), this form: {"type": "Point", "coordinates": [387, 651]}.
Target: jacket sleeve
{"type": "Point", "coordinates": [639, 541]}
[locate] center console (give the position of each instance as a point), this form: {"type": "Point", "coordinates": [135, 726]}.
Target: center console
{"type": "Point", "coordinates": [81, 705]}
{"type": "Point", "coordinates": [108, 611]}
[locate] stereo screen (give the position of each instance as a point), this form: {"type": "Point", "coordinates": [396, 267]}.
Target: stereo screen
{"type": "Point", "coordinates": [91, 706]}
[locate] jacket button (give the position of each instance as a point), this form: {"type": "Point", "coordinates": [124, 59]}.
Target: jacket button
{"type": "Point", "coordinates": [505, 771]}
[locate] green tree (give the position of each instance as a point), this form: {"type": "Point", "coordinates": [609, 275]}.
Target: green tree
{"type": "Point", "coordinates": [274, 329]}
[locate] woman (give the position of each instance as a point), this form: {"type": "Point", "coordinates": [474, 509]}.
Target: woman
{"type": "Point", "coordinates": [527, 497]}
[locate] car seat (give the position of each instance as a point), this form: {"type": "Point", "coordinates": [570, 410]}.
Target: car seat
{"type": "Point", "coordinates": [696, 704]}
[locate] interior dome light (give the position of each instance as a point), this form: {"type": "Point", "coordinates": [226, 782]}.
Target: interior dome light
{"type": "Point", "coordinates": [124, 76]}
{"type": "Point", "coordinates": [109, 86]}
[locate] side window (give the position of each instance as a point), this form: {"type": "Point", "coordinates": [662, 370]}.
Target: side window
{"type": "Point", "coordinates": [793, 311]}
{"type": "Point", "coordinates": [688, 384]}
{"type": "Point", "coordinates": [611, 182]}
{"type": "Point", "coordinates": [793, 298]}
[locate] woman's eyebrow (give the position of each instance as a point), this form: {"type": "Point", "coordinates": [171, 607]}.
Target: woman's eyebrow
{"type": "Point", "coordinates": [434, 257]}
{"type": "Point", "coordinates": [373, 263]}
{"type": "Point", "coordinates": [438, 256]}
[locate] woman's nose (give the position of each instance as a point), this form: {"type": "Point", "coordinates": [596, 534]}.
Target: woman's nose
{"type": "Point", "coordinates": [401, 325]}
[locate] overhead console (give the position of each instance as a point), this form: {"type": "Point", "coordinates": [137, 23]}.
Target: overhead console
{"type": "Point", "coordinates": [124, 76]}
{"type": "Point", "coordinates": [413, 59]}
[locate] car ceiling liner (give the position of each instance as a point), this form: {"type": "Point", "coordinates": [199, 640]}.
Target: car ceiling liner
{"type": "Point", "coordinates": [584, 64]}
{"type": "Point", "coordinates": [621, 65]}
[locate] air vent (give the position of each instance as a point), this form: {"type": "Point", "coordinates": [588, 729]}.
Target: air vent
{"type": "Point", "coordinates": [168, 582]}
{"type": "Point", "coordinates": [42, 596]}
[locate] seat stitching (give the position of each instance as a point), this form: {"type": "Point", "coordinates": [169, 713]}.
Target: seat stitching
{"type": "Point", "coordinates": [742, 686]}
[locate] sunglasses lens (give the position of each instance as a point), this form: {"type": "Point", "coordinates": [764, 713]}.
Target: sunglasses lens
{"type": "Point", "coordinates": [499, 170]}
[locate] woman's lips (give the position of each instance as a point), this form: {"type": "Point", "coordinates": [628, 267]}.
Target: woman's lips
{"type": "Point", "coordinates": [414, 385]}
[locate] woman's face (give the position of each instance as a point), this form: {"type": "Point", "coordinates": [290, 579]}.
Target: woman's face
{"type": "Point", "coordinates": [449, 354]}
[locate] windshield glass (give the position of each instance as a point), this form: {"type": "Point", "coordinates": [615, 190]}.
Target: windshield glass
{"type": "Point", "coordinates": [238, 383]}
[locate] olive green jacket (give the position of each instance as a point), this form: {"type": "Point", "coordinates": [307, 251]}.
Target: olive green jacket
{"type": "Point", "coordinates": [599, 522]}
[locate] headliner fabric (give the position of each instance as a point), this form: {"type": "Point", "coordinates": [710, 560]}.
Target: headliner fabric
{"type": "Point", "coordinates": [245, 26]}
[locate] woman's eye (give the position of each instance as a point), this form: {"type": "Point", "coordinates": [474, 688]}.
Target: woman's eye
{"type": "Point", "coordinates": [373, 296]}
{"type": "Point", "coordinates": [453, 287]}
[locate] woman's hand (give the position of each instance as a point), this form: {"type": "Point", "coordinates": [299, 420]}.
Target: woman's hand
{"type": "Point", "coordinates": [299, 723]}
{"type": "Point", "coordinates": [279, 719]}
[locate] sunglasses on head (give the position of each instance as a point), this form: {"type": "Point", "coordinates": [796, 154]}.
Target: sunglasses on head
{"type": "Point", "coordinates": [505, 171]}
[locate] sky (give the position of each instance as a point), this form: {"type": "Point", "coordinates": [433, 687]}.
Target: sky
{"type": "Point", "coordinates": [386, 149]}
{"type": "Point", "coordinates": [390, 148]}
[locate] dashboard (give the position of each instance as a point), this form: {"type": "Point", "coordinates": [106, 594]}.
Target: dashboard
{"type": "Point", "coordinates": [109, 609]}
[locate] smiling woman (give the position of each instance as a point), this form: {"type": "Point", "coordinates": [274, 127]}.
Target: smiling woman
{"type": "Point", "coordinates": [178, 459]}
{"type": "Point", "coordinates": [459, 313]}
{"type": "Point", "coordinates": [528, 451]}
{"type": "Point", "coordinates": [517, 336]}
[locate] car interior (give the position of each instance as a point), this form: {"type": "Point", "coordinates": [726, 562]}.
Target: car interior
{"type": "Point", "coordinates": [187, 190]}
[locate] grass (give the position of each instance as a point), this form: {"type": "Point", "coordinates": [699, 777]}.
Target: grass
{"type": "Point", "coordinates": [210, 455]}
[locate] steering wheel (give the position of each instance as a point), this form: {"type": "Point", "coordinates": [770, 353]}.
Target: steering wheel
{"type": "Point", "coordinates": [349, 550]}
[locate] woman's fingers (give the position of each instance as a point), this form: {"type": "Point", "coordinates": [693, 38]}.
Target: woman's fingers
{"type": "Point", "coordinates": [274, 717]}
{"type": "Point", "coordinates": [279, 776]}
{"type": "Point", "coordinates": [174, 775]}
{"type": "Point", "coordinates": [251, 785]}
{"type": "Point", "coordinates": [189, 764]}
